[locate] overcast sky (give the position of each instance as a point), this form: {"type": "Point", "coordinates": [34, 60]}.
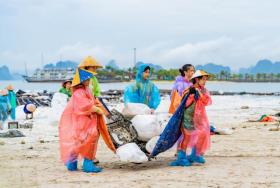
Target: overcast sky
{"type": "Point", "coordinates": [235, 33]}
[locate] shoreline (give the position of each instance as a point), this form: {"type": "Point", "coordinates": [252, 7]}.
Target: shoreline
{"type": "Point", "coordinates": [160, 81]}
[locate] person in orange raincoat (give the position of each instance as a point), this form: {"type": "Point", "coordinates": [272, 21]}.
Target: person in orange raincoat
{"type": "Point", "coordinates": [181, 83]}
{"type": "Point", "coordinates": [80, 125]}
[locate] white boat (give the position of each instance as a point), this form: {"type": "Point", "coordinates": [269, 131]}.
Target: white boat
{"type": "Point", "coordinates": [51, 75]}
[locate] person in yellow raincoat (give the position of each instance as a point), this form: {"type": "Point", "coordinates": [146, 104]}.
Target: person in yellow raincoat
{"type": "Point", "coordinates": [90, 64]}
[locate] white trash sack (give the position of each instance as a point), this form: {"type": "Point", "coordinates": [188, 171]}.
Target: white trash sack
{"type": "Point", "coordinates": [20, 113]}
{"type": "Point", "coordinates": [152, 143]}
{"type": "Point", "coordinates": [59, 102]}
{"type": "Point", "coordinates": [147, 126]}
{"type": "Point", "coordinates": [163, 120]}
{"type": "Point", "coordinates": [131, 153]}
{"type": "Point", "coordinates": [132, 109]}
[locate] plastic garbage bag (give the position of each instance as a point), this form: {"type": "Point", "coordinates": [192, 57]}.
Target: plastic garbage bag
{"type": "Point", "coordinates": [151, 144]}
{"type": "Point", "coordinates": [162, 119]}
{"type": "Point", "coordinates": [131, 153]}
{"type": "Point", "coordinates": [58, 104]}
{"type": "Point", "coordinates": [132, 109]}
{"type": "Point", "coordinates": [147, 126]}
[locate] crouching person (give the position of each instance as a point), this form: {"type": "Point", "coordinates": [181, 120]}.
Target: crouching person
{"type": "Point", "coordinates": [80, 125]}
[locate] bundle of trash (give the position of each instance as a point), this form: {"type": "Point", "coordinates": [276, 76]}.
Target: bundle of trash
{"type": "Point", "coordinates": [135, 138]}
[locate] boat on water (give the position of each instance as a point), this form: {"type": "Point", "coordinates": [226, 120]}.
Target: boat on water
{"type": "Point", "coordinates": [62, 74]}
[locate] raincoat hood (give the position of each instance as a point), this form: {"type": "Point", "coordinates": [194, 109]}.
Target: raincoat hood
{"type": "Point", "coordinates": [139, 75]}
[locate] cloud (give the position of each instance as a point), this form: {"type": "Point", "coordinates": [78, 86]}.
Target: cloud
{"type": "Point", "coordinates": [170, 33]}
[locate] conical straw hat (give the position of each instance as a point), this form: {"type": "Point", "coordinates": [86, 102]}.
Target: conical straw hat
{"type": "Point", "coordinates": [89, 62]}
{"type": "Point", "coordinates": [81, 75]}
{"type": "Point", "coordinates": [199, 73]}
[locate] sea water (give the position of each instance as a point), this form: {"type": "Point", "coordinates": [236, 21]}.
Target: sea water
{"type": "Point", "coordinates": [212, 86]}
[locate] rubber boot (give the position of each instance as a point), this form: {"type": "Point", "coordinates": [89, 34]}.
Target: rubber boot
{"type": "Point", "coordinates": [181, 159]}
{"type": "Point", "coordinates": [193, 158]}
{"type": "Point", "coordinates": [89, 167]}
{"type": "Point", "coordinates": [72, 165]}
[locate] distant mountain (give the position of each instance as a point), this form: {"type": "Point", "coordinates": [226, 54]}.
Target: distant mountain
{"type": "Point", "coordinates": [262, 66]}
{"type": "Point", "coordinates": [213, 68]}
{"type": "Point", "coordinates": [155, 67]}
{"type": "Point", "coordinates": [113, 65]}
{"type": "Point", "coordinates": [5, 73]}
{"type": "Point", "coordinates": [62, 64]}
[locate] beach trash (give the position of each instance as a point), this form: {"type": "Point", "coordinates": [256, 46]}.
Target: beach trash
{"type": "Point", "coordinates": [59, 100]}
{"type": "Point", "coordinates": [58, 104]}
{"type": "Point", "coordinates": [11, 134]}
{"type": "Point", "coordinates": [266, 118]}
{"type": "Point", "coordinates": [26, 124]}
{"type": "Point", "coordinates": [244, 107]}
{"type": "Point", "coordinates": [223, 131]}
{"type": "Point", "coordinates": [162, 121]}
{"type": "Point", "coordinates": [147, 126]}
{"type": "Point", "coordinates": [13, 125]}
{"type": "Point", "coordinates": [132, 109]}
{"type": "Point", "coordinates": [151, 144]}
{"type": "Point", "coordinates": [120, 129]}
{"type": "Point", "coordinates": [131, 153]}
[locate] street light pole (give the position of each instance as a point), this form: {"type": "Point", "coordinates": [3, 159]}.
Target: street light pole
{"type": "Point", "coordinates": [134, 49]}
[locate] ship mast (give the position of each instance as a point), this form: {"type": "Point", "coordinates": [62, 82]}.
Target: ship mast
{"type": "Point", "coordinates": [42, 60]}
{"type": "Point", "coordinates": [25, 66]}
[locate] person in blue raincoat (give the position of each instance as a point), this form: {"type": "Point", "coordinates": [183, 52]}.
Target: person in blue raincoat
{"type": "Point", "coordinates": [143, 90]}
{"type": "Point", "coordinates": [13, 101]}
{"type": "Point", "coordinates": [4, 106]}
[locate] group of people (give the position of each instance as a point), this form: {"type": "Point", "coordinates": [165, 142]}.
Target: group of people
{"type": "Point", "coordinates": [82, 121]}
{"type": "Point", "coordinates": [8, 103]}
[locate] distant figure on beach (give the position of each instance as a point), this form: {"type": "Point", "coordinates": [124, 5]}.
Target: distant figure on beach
{"type": "Point", "coordinates": [195, 126]}
{"type": "Point", "coordinates": [90, 64]}
{"type": "Point", "coordinates": [143, 91]}
{"type": "Point", "coordinates": [80, 125]}
{"type": "Point", "coordinates": [4, 106]}
{"type": "Point", "coordinates": [181, 83]}
{"type": "Point", "coordinates": [13, 101]}
{"type": "Point", "coordinates": [66, 88]}
{"type": "Point", "coordinates": [29, 109]}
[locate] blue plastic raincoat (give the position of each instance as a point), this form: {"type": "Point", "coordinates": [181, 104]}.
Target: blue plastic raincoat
{"type": "Point", "coordinates": [13, 102]}
{"type": "Point", "coordinates": [143, 91]}
{"type": "Point", "coordinates": [4, 107]}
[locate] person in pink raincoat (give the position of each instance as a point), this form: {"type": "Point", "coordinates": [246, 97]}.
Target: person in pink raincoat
{"type": "Point", "coordinates": [195, 126]}
{"type": "Point", "coordinates": [80, 125]}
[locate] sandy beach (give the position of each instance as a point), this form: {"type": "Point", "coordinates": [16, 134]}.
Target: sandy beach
{"type": "Point", "coordinates": [250, 157]}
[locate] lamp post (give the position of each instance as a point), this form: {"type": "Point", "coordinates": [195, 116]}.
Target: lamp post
{"type": "Point", "coordinates": [134, 50]}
